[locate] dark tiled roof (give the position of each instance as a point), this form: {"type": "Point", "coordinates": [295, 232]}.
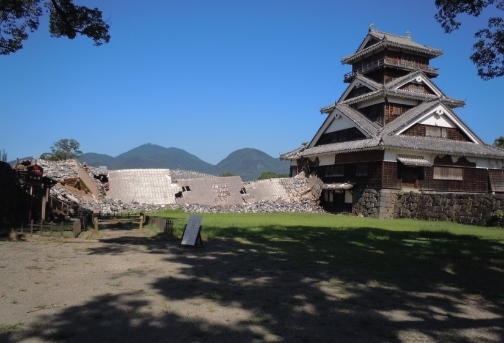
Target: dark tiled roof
{"type": "Point", "coordinates": [384, 92]}
{"type": "Point", "coordinates": [362, 144]}
{"type": "Point", "coordinates": [366, 81]}
{"type": "Point", "coordinates": [411, 115]}
{"type": "Point", "coordinates": [440, 145]}
{"type": "Point", "coordinates": [292, 155]}
{"type": "Point", "coordinates": [409, 143]}
{"type": "Point", "coordinates": [371, 128]}
{"type": "Point", "coordinates": [388, 39]}
{"type": "Point", "coordinates": [388, 89]}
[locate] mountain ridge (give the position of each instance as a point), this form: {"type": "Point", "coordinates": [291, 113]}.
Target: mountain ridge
{"type": "Point", "coordinates": [248, 163]}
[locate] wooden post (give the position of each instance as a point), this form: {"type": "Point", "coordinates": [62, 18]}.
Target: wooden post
{"type": "Point", "coordinates": [44, 202]}
{"type": "Point", "coordinates": [50, 228]}
{"type": "Point", "coordinates": [96, 225]}
{"type": "Point", "coordinates": [41, 227]}
{"type": "Point", "coordinates": [61, 227]}
{"type": "Point", "coordinates": [141, 222]}
{"type": "Point", "coordinates": [31, 228]}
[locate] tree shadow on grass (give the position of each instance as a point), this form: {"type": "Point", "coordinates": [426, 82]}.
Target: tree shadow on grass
{"type": "Point", "coordinates": [307, 285]}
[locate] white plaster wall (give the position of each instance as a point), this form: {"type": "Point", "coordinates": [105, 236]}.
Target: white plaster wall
{"type": "Point", "coordinates": [339, 123]}
{"type": "Point", "coordinates": [391, 155]}
{"type": "Point", "coordinates": [326, 160]}
{"type": "Point", "coordinates": [435, 119]}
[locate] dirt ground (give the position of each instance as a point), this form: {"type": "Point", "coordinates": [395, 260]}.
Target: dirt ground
{"type": "Point", "coordinates": [142, 290]}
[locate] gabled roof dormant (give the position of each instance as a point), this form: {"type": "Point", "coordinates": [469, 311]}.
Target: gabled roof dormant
{"type": "Point", "coordinates": [423, 110]}
{"type": "Point", "coordinates": [392, 89]}
{"type": "Point", "coordinates": [363, 124]}
{"type": "Point", "coordinates": [360, 80]}
{"type": "Point", "coordinates": [390, 135]}
{"type": "Point", "coordinates": [389, 40]}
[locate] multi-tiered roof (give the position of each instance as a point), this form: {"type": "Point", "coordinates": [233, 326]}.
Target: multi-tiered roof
{"type": "Point", "coordinates": [389, 99]}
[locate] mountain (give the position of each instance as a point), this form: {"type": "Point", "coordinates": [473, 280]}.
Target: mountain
{"type": "Point", "coordinates": [247, 163]}
{"type": "Point", "coordinates": [97, 160]}
{"type": "Point", "coordinates": [250, 163]}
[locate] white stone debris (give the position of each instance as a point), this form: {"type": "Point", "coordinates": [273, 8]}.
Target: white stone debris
{"type": "Point", "coordinates": [137, 190]}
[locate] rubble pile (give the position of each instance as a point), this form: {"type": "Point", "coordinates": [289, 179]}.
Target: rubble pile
{"type": "Point", "coordinates": [64, 195]}
{"type": "Point", "coordinates": [59, 170]}
{"type": "Point", "coordinates": [112, 206]}
{"type": "Point", "coordinates": [267, 196]}
{"type": "Point", "coordinates": [187, 174]}
{"type": "Point", "coordinates": [100, 176]}
{"type": "Point", "coordinates": [264, 206]}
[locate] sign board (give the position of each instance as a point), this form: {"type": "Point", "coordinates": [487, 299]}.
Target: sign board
{"type": "Point", "coordinates": [34, 175]}
{"type": "Point", "coordinates": [192, 231]}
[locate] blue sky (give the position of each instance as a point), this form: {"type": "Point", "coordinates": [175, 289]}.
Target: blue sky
{"type": "Point", "coordinates": [211, 77]}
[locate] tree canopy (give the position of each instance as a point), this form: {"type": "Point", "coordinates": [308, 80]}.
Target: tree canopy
{"type": "Point", "coordinates": [488, 53]}
{"type": "Point", "coordinates": [19, 17]}
{"type": "Point", "coordinates": [64, 149]}
{"type": "Point", "coordinates": [499, 142]}
{"type": "Point", "coordinates": [271, 175]}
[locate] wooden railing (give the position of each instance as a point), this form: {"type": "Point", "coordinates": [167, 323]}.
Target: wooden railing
{"type": "Point", "coordinates": [389, 62]}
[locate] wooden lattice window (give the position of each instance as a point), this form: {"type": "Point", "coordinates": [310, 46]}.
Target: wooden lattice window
{"type": "Point", "coordinates": [338, 170]}
{"type": "Point", "coordinates": [447, 173]}
{"type": "Point", "coordinates": [435, 131]}
{"type": "Point", "coordinates": [361, 170]}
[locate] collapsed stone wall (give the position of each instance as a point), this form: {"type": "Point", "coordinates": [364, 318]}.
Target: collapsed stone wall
{"type": "Point", "coordinates": [464, 208]}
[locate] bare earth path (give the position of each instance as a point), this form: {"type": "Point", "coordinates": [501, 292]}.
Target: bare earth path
{"type": "Point", "coordinates": [142, 290]}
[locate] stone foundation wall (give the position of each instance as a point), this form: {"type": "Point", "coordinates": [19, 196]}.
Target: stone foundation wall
{"type": "Point", "coordinates": [374, 203]}
{"type": "Point", "coordinates": [471, 209]}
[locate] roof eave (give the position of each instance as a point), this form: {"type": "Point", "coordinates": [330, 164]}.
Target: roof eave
{"type": "Point", "coordinates": [432, 53]}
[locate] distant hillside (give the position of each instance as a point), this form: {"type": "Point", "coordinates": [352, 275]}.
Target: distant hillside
{"type": "Point", "coordinates": [250, 163]}
{"type": "Point", "coordinates": [247, 163]}
{"type": "Point", "coordinates": [97, 160]}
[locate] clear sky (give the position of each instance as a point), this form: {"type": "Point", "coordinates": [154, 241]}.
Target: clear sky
{"type": "Point", "coordinates": [211, 77]}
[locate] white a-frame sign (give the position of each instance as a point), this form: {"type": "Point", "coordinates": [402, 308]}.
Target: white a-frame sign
{"type": "Point", "coordinates": [192, 232]}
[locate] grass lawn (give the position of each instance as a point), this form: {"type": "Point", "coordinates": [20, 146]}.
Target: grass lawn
{"type": "Point", "coordinates": [303, 226]}
{"type": "Point", "coordinates": [395, 251]}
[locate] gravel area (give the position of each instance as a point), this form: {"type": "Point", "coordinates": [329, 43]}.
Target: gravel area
{"type": "Point", "coordinates": [136, 289]}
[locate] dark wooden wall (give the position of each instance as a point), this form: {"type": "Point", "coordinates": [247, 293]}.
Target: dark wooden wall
{"type": "Point", "coordinates": [385, 112]}
{"type": "Point", "coordinates": [394, 111]}
{"type": "Point", "coordinates": [360, 156]}
{"type": "Point", "coordinates": [452, 133]}
{"type": "Point", "coordinates": [474, 180]}
{"type": "Point", "coordinates": [371, 180]}
{"type": "Point", "coordinates": [346, 135]}
{"type": "Point", "coordinates": [357, 92]}
{"type": "Point", "coordinates": [390, 179]}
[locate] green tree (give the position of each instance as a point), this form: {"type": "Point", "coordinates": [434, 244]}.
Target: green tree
{"type": "Point", "coordinates": [226, 174]}
{"type": "Point", "coordinates": [271, 175]}
{"type": "Point", "coordinates": [499, 142]}
{"type": "Point", "coordinates": [18, 17]}
{"type": "Point", "coordinates": [488, 53]}
{"type": "Point", "coordinates": [64, 149]}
